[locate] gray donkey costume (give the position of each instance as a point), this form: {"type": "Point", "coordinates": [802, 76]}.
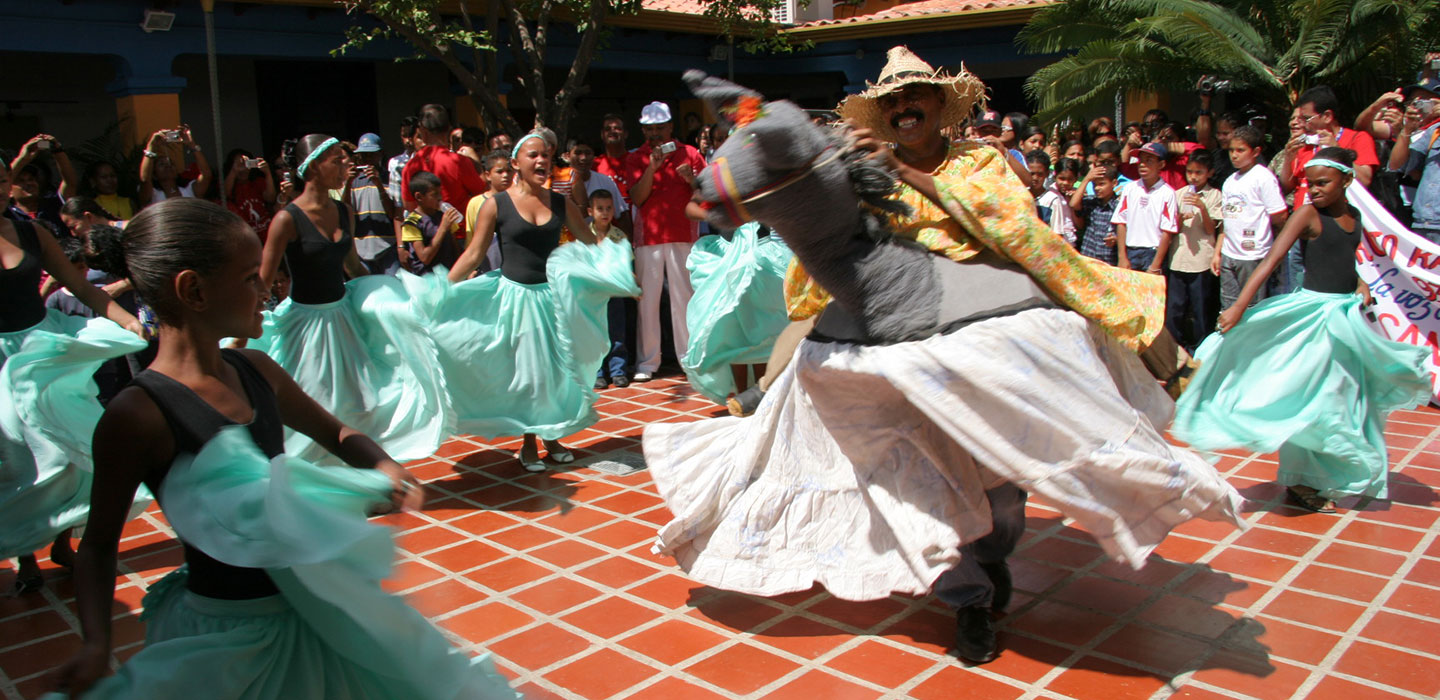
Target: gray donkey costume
{"type": "Point", "coordinates": [926, 384]}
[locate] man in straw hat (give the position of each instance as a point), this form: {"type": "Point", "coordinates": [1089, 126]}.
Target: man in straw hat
{"type": "Point", "coordinates": [966, 199]}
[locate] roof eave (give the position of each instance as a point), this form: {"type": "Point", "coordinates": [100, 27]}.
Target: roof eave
{"type": "Point", "coordinates": [892, 26]}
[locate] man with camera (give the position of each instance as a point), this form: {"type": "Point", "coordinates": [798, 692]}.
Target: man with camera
{"type": "Point", "coordinates": [661, 174]}
{"type": "Point", "coordinates": [1319, 110]}
{"type": "Point", "coordinates": [1417, 154]}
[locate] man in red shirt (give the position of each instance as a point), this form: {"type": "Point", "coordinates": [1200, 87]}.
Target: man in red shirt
{"type": "Point", "coordinates": [459, 180]}
{"type": "Point", "coordinates": [661, 178]}
{"type": "Point", "coordinates": [612, 160]}
{"type": "Point", "coordinates": [1319, 108]}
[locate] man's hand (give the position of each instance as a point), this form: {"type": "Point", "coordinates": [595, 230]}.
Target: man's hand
{"type": "Point", "coordinates": [1215, 264]}
{"type": "Point", "coordinates": [687, 173]}
{"type": "Point", "coordinates": [866, 140]}
{"type": "Point", "coordinates": [1327, 138]}
{"type": "Point", "coordinates": [1294, 145]}
{"type": "Point", "coordinates": [32, 147]}
{"type": "Point", "coordinates": [656, 159]}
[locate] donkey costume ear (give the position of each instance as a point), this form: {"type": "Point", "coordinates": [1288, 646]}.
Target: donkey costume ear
{"type": "Point", "coordinates": [735, 105]}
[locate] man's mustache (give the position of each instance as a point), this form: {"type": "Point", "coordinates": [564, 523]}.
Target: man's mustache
{"type": "Point", "coordinates": [909, 113]}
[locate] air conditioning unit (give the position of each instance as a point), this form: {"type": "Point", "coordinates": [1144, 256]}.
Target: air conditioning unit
{"type": "Point", "coordinates": [158, 21]}
{"type": "Point", "coordinates": [785, 12]}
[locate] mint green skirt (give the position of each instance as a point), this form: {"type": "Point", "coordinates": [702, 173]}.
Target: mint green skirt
{"type": "Point", "coordinates": [738, 308]}
{"type": "Point", "coordinates": [332, 632]}
{"type": "Point", "coordinates": [1303, 373]}
{"type": "Point", "coordinates": [48, 413]}
{"type": "Point", "coordinates": [367, 359]}
{"type": "Point", "coordinates": [521, 358]}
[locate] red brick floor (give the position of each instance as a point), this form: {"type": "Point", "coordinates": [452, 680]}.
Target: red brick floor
{"type": "Point", "coordinates": [552, 573]}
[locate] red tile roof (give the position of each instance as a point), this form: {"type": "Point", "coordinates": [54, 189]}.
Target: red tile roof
{"type": "Point", "coordinates": [919, 9]}
{"type": "Point", "coordinates": [688, 7]}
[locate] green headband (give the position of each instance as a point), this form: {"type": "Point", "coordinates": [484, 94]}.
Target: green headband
{"type": "Point", "coordinates": [315, 154]}
{"type": "Point", "coordinates": [1330, 164]}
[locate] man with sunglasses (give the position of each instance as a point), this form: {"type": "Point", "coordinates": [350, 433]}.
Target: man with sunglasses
{"type": "Point", "coordinates": [1319, 110]}
{"type": "Point", "coordinates": [1417, 154]}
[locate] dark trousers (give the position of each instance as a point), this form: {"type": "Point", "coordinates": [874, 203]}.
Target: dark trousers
{"type": "Point", "coordinates": [616, 363]}
{"type": "Point", "coordinates": [1191, 301]}
{"type": "Point", "coordinates": [967, 584]}
{"type": "Point", "coordinates": [1140, 257]}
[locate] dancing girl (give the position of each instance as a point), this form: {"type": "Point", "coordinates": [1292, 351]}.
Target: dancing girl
{"type": "Point", "coordinates": [1303, 373]}
{"type": "Point", "coordinates": [48, 406]}
{"type": "Point", "coordinates": [356, 347]}
{"type": "Point", "coordinates": [519, 346]}
{"type": "Point", "coordinates": [280, 595]}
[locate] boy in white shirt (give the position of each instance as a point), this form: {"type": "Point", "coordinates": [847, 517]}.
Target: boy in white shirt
{"type": "Point", "coordinates": [1148, 215]}
{"type": "Point", "coordinates": [1253, 209]}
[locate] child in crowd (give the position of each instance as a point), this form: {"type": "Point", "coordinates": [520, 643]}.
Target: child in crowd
{"type": "Point", "coordinates": [1095, 201]}
{"type": "Point", "coordinates": [498, 176]}
{"type": "Point", "coordinates": [1253, 208]}
{"type": "Point", "coordinates": [428, 232]}
{"type": "Point", "coordinates": [1056, 199]}
{"type": "Point", "coordinates": [63, 299]}
{"type": "Point", "coordinates": [1038, 163]}
{"type": "Point", "coordinates": [1303, 373]}
{"type": "Point", "coordinates": [613, 369]}
{"type": "Point", "coordinates": [1190, 291]}
{"type": "Point", "coordinates": [1107, 156]}
{"type": "Point", "coordinates": [1148, 215]}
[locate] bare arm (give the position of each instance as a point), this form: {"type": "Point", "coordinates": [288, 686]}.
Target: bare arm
{"type": "Point", "coordinates": [60, 268]}
{"type": "Point", "coordinates": [427, 252]}
{"type": "Point", "coordinates": [1304, 220]}
{"type": "Point", "coordinates": [479, 242]}
{"type": "Point", "coordinates": [132, 439]}
{"type": "Point", "coordinates": [69, 181]}
{"type": "Point", "coordinates": [1122, 260]}
{"type": "Point", "coordinates": [282, 230]}
{"type": "Point", "coordinates": [202, 181]}
{"type": "Point", "coordinates": [1158, 266]}
{"type": "Point", "coordinates": [147, 172]}
{"type": "Point", "coordinates": [301, 413]}
{"type": "Point", "coordinates": [575, 220]}
{"type": "Point", "coordinates": [640, 191]}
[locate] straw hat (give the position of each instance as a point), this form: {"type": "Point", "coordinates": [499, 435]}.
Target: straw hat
{"type": "Point", "coordinates": [962, 92]}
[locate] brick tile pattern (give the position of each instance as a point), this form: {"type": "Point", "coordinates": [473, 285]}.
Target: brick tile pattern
{"type": "Point", "coordinates": [553, 574]}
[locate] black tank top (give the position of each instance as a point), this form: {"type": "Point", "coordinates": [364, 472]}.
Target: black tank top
{"type": "Point", "coordinates": [1330, 257]}
{"type": "Point", "coordinates": [317, 264]}
{"type": "Point", "coordinates": [524, 247]}
{"type": "Point", "coordinates": [193, 421]}
{"type": "Point", "coordinates": [20, 304]}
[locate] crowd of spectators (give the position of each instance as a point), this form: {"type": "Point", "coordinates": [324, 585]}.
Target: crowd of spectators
{"type": "Point", "coordinates": [1198, 201]}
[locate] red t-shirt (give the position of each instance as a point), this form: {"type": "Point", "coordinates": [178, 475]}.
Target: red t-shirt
{"type": "Point", "coordinates": [247, 200]}
{"type": "Point", "coordinates": [615, 168]}
{"type": "Point", "coordinates": [459, 181]}
{"type": "Point", "coordinates": [1363, 144]}
{"type": "Point", "coordinates": [1174, 171]}
{"type": "Point", "coordinates": [662, 216]}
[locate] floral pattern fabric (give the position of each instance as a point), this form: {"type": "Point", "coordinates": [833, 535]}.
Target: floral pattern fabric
{"type": "Point", "coordinates": [984, 204]}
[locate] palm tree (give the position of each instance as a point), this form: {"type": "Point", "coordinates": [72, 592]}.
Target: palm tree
{"type": "Point", "coordinates": [1274, 49]}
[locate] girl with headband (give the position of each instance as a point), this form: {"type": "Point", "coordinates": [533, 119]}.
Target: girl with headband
{"type": "Point", "coordinates": [1302, 372]}
{"type": "Point", "coordinates": [356, 347]}
{"type": "Point", "coordinates": [48, 408]}
{"type": "Point", "coordinates": [280, 595]}
{"type": "Point", "coordinates": [519, 346]}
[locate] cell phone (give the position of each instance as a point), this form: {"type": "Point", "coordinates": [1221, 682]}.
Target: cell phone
{"type": "Point", "coordinates": [1425, 107]}
{"type": "Point", "coordinates": [288, 178]}
{"type": "Point", "coordinates": [667, 148]}
{"type": "Point", "coordinates": [1312, 139]}
{"type": "Point", "coordinates": [44, 145]}
{"type": "Point", "coordinates": [252, 163]}
{"type": "Point", "coordinates": [171, 135]}
{"type": "Point", "coordinates": [1435, 64]}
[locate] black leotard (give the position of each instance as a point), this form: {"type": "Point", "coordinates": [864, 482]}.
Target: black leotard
{"type": "Point", "coordinates": [317, 264]}
{"type": "Point", "coordinates": [524, 247]}
{"type": "Point", "coordinates": [193, 422]}
{"type": "Point", "coordinates": [20, 303]}
{"type": "Point", "coordinates": [1330, 257]}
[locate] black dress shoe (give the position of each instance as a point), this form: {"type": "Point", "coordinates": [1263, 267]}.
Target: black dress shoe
{"type": "Point", "coordinates": [974, 635]}
{"type": "Point", "coordinates": [999, 575]}
{"type": "Point", "coordinates": [620, 380]}
{"type": "Point", "coordinates": [601, 383]}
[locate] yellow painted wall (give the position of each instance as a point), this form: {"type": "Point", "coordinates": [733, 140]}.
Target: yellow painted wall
{"type": "Point", "coordinates": [142, 115]}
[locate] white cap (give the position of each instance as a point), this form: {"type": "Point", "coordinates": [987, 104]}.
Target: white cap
{"type": "Point", "coordinates": [655, 113]}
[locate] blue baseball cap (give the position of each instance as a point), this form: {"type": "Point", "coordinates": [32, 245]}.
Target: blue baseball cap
{"type": "Point", "coordinates": [1430, 85]}
{"type": "Point", "coordinates": [369, 143]}
{"type": "Point", "coordinates": [1156, 149]}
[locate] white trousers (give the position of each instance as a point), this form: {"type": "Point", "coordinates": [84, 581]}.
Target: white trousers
{"type": "Point", "coordinates": [654, 264]}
